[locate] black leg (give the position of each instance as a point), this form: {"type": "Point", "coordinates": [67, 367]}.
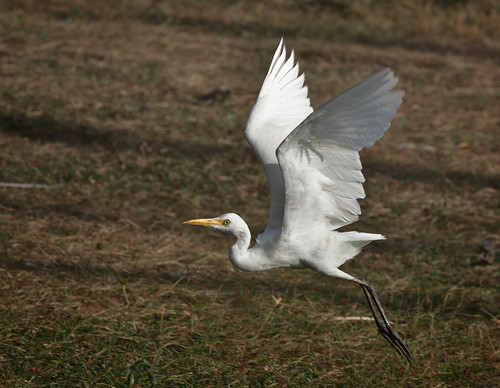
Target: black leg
{"type": "Point", "coordinates": [393, 337]}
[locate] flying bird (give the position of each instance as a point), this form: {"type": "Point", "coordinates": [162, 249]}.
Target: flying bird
{"type": "Point", "coordinates": [313, 169]}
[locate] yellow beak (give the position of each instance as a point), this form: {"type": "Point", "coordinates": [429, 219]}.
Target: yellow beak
{"type": "Point", "coordinates": [204, 222]}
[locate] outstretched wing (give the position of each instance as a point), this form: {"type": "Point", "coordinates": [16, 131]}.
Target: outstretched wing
{"type": "Point", "coordinates": [282, 104]}
{"type": "Point", "coordinates": [320, 161]}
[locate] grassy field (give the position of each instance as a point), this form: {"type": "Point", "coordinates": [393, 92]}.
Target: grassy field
{"type": "Point", "coordinates": [135, 111]}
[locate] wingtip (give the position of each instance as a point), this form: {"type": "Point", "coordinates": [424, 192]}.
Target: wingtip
{"type": "Point", "coordinates": [281, 47]}
{"type": "Point", "coordinates": [280, 50]}
{"type": "Point", "coordinates": [392, 80]}
{"type": "Point", "coordinates": [390, 76]}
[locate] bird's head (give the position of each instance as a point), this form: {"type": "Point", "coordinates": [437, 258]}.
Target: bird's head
{"type": "Point", "coordinates": [227, 223]}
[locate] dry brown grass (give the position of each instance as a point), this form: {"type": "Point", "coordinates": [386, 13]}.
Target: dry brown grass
{"type": "Point", "coordinates": [136, 110]}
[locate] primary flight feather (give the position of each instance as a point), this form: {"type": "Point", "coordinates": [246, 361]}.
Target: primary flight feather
{"type": "Point", "coordinates": [312, 165]}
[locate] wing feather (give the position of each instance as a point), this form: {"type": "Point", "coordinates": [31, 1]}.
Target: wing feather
{"type": "Point", "coordinates": [282, 104]}
{"type": "Point", "coordinates": [319, 159]}
{"type": "Point", "coordinates": [356, 118]}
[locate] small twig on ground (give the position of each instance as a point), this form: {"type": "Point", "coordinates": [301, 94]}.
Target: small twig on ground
{"type": "Point", "coordinates": [353, 319]}
{"type": "Point", "coordinates": [27, 186]}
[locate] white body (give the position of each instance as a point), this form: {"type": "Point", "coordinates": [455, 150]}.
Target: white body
{"type": "Point", "coordinates": [331, 249]}
{"type": "Point", "coordinates": [312, 165]}
{"type": "Point", "coordinates": [313, 169]}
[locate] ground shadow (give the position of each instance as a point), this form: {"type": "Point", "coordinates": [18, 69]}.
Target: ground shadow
{"type": "Point", "coordinates": [406, 172]}
{"type": "Point", "coordinates": [156, 15]}
{"type": "Point", "coordinates": [223, 27]}
{"type": "Point", "coordinates": [48, 130]}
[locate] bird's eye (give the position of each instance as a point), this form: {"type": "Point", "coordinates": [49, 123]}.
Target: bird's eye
{"type": "Point", "coordinates": [226, 222]}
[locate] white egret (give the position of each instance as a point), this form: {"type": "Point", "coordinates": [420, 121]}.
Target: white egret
{"type": "Point", "coordinates": [313, 170]}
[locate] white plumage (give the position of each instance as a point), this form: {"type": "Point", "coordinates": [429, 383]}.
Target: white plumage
{"type": "Point", "coordinates": [314, 173]}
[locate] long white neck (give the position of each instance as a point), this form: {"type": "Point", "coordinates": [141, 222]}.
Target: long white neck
{"type": "Point", "coordinates": [239, 253]}
{"type": "Point", "coordinates": [245, 258]}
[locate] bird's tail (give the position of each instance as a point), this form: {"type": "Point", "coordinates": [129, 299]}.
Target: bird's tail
{"type": "Point", "coordinates": [359, 240]}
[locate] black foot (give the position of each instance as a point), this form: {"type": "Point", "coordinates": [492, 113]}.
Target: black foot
{"type": "Point", "coordinates": [393, 337]}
